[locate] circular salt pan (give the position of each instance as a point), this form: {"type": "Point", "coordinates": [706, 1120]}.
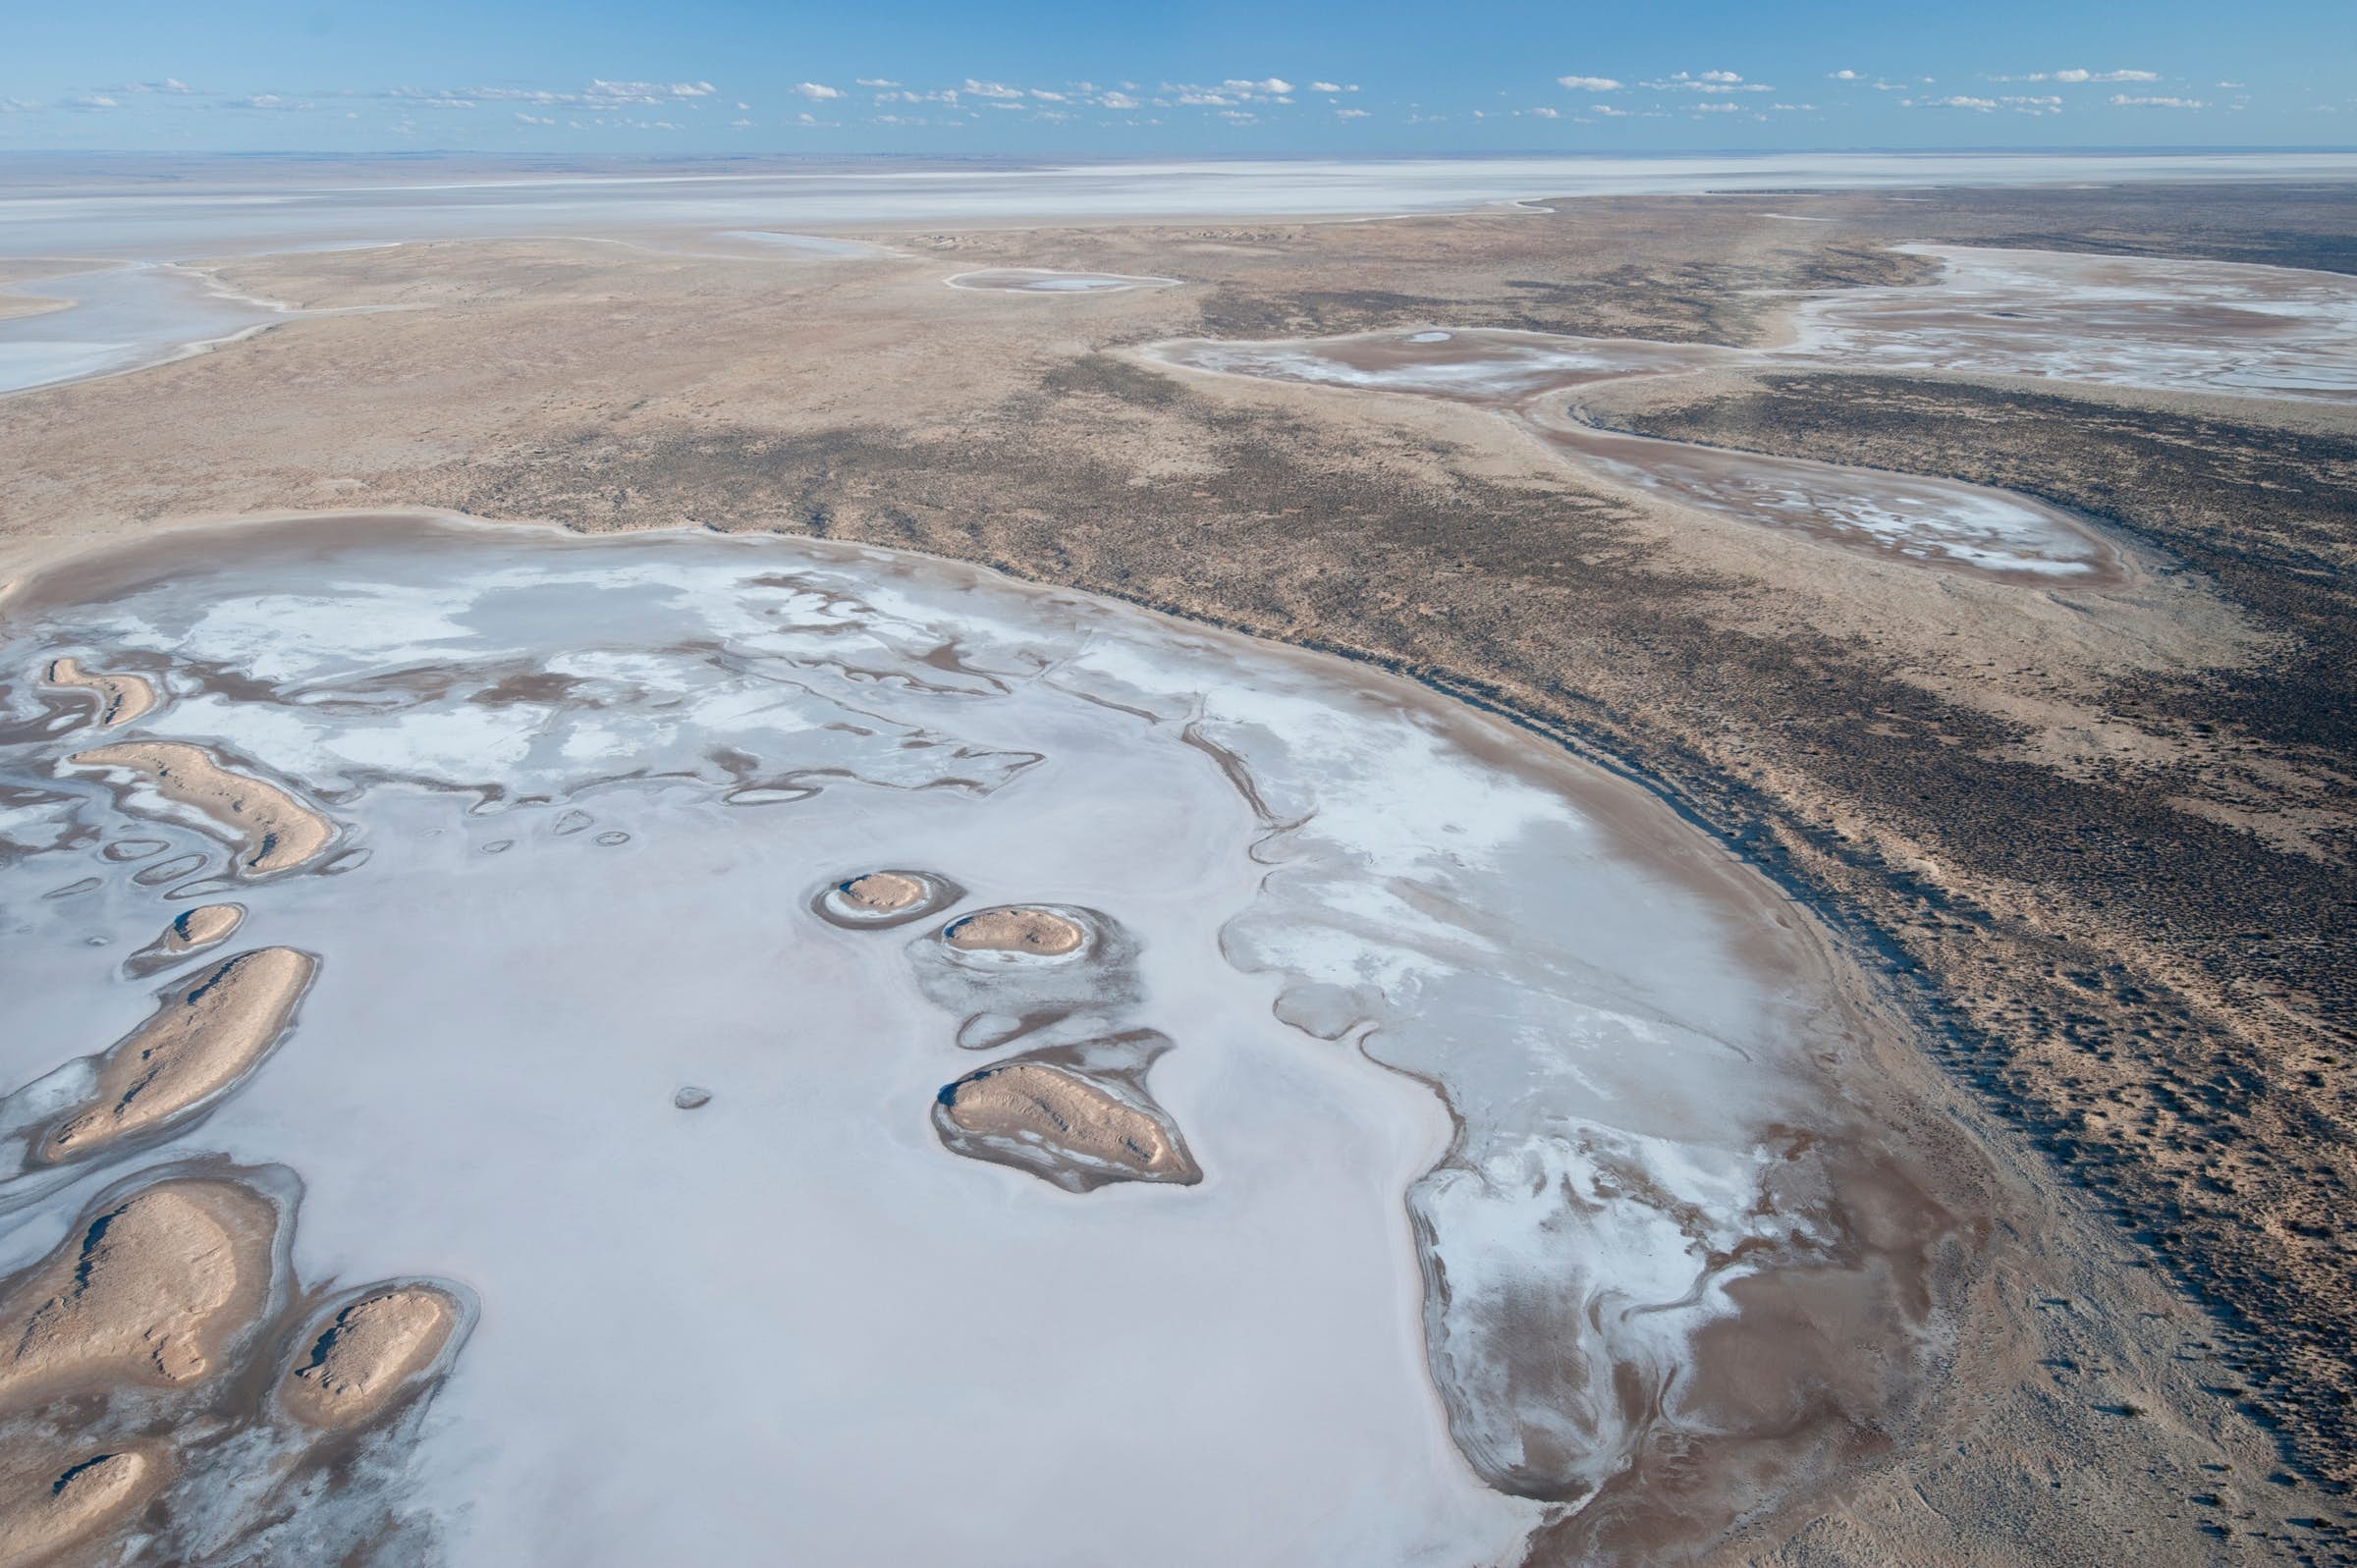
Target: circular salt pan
{"type": "Point", "coordinates": [1627, 1134]}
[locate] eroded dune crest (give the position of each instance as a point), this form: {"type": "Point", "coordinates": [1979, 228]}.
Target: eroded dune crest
{"type": "Point", "coordinates": [1078, 1117]}
{"type": "Point", "coordinates": [153, 1290]}
{"type": "Point", "coordinates": [276, 831]}
{"type": "Point", "coordinates": [205, 1035]}
{"type": "Point", "coordinates": [367, 1355]}
{"type": "Point", "coordinates": [122, 697]}
{"type": "Point", "coordinates": [45, 1508]}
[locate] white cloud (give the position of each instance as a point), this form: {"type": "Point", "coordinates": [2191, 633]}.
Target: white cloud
{"type": "Point", "coordinates": [813, 120]}
{"type": "Point", "coordinates": [1329, 86]}
{"type": "Point", "coordinates": [1548, 114]}
{"type": "Point", "coordinates": [170, 85]}
{"type": "Point", "coordinates": [739, 124]}
{"type": "Point", "coordinates": [691, 90]}
{"type": "Point", "coordinates": [1708, 82]}
{"type": "Point", "coordinates": [2075, 75]}
{"type": "Point", "coordinates": [992, 90]}
{"type": "Point", "coordinates": [1589, 83]}
{"type": "Point", "coordinates": [92, 101]}
{"type": "Point", "coordinates": [1952, 101]}
{"type": "Point", "coordinates": [2121, 100]}
{"type": "Point", "coordinates": [1046, 96]}
{"type": "Point", "coordinates": [1273, 85]}
{"type": "Point", "coordinates": [1718, 75]}
{"type": "Point", "coordinates": [534, 118]}
{"type": "Point", "coordinates": [874, 81]}
{"type": "Point", "coordinates": [817, 92]}
{"type": "Point", "coordinates": [1349, 114]}
{"type": "Point", "coordinates": [1841, 76]}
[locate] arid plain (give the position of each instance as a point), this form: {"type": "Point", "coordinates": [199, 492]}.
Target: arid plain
{"type": "Point", "coordinates": [2093, 845]}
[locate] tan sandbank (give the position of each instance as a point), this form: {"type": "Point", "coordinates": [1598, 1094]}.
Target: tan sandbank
{"type": "Point", "coordinates": [1061, 1125]}
{"type": "Point", "coordinates": [195, 929]}
{"type": "Point", "coordinates": [209, 1032]}
{"type": "Point", "coordinates": [278, 831]}
{"type": "Point", "coordinates": [350, 1369]}
{"type": "Point", "coordinates": [47, 1507]}
{"type": "Point", "coordinates": [121, 697]}
{"type": "Point", "coordinates": [883, 891]}
{"type": "Point", "coordinates": [1038, 932]}
{"type": "Point", "coordinates": [148, 1291]}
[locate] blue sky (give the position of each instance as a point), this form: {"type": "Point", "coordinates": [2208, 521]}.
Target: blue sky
{"type": "Point", "coordinates": [697, 77]}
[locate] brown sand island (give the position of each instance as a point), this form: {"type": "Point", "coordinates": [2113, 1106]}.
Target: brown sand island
{"type": "Point", "coordinates": [1078, 1117]}
{"type": "Point", "coordinates": [369, 1354]}
{"type": "Point", "coordinates": [48, 1505]}
{"type": "Point", "coordinates": [121, 697]}
{"type": "Point", "coordinates": [278, 831]}
{"type": "Point", "coordinates": [205, 1035]}
{"type": "Point", "coordinates": [877, 899]}
{"type": "Point", "coordinates": [153, 1289]}
{"type": "Point", "coordinates": [1027, 930]}
{"type": "Point", "coordinates": [192, 931]}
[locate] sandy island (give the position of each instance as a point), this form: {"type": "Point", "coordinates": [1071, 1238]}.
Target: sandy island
{"type": "Point", "coordinates": [1039, 933]}
{"type": "Point", "coordinates": [49, 1506]}
{"type": "Point", "coordinates": [368, 1354]}
{"type": "Point", "coordinates": [1063, 1126]}
{"type": "Point", "coordinates": [875, 899]}
{"type": "Point", "coordinates": [121, 697]}
{"type": "Point", "coordinates": [208, 1033]}
{"type": "Point", "coordinates": [278, 831]}
{"type": "Point", "coordinates": [151, 1290]}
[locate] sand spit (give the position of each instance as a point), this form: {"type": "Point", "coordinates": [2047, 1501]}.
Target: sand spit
{"type": "Point", "coordinates": [47, 1507]}
{"type": "Point", "coordinates": [1044, 280]}
{"type": "Point", "coordinates": [153, 1290]}
{"type": "Point", "coordinates": [207, 1034]}
{"type": "Point", "coordinates": [876, 901]}
{"type": "Point", "coordinates": [1031, 933]}
{"type": "Point", "coordinates": [187, 932]}
{"type": "Point", "coordinates": [278, 831]}
{"type": "Point", "coordinates": [369, 1354]}
{"type": "Point", "coordinates": [121, 697]}
{"type": "Point", "coordinates": [1077, 1116]}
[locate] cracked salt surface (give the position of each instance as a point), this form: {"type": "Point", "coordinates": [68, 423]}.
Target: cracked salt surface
{"type": "Point", "coordinates": [1401, 1309]}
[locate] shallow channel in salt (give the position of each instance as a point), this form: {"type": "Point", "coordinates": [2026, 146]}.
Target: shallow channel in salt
{"type": "Point", "coordinates": [1532, 376]}
{"type": "Point", "coordinates": [1045, 280]}
{"type": "Point", "coordinates": [2216, 327]}
{"type": "Point", "coordinates": [1549, 1182]}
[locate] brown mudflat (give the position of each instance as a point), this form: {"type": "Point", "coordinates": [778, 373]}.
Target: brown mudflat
{"type": "Point", "coordinates": [883, 891]}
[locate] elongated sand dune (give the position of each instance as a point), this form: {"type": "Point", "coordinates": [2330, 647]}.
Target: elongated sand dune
{"type": "Point", "coordinates": [277, 831]}
{"type": "Point", "coordinates": [47, 1507]}
{"type": "Point", "coordinates": [151, 1290]}
{"type": "Point", "coordinates": [121, 697]}
{"type": "Point", "coordinates": [1063, 1127]}
{"type": "Point", "coordinates": [209, 1032]}
{"type": "Point", "coordinates": [367, 1355]}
